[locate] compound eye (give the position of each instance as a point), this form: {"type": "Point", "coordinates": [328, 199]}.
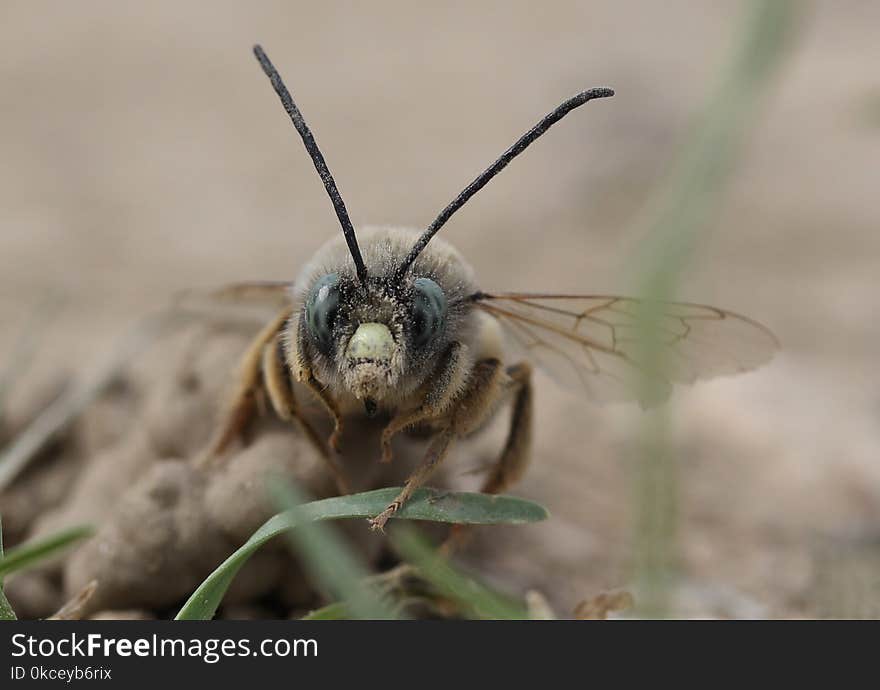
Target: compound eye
{"type": "Point", "coordinates": [322, 306]}
{"type": "Point", "coordinates": [429, 311]}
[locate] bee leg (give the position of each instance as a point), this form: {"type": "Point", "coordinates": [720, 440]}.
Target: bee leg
{"type": "Point", "coordinates": [302, 373]}
{"type": "Point", "coordinates": [515, 456]}
{"type": "Point", "coordinates": [307, 378]}
{"type": "Point", "coordinates": [243, 403]}
{"type": "Point", "coordinates": [279, 389]}
{"type": "Point", "coordinates": [436, 452]}
{"type": "Point", "coordinates": [446, 383]}
{"type": "Point", "coordinates": [468, 411]}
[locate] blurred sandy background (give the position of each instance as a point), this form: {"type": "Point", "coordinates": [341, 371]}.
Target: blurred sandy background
{"type": "Point", "coordinates": [142, 151]}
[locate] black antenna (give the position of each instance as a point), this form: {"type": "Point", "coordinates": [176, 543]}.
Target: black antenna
{"type": "Point", "coordinates": [521, 144]}
{"type": "Point", "coordinates": [318, 159]}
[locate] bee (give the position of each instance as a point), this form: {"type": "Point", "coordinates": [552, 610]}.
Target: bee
{"type": "Point", "coordinates": [394, 322]}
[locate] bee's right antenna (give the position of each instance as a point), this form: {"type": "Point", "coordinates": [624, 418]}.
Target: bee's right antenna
{"type": "Point", "coordinates": [317, 159]}
{"type": "Point", "coordinates": [483, 178]}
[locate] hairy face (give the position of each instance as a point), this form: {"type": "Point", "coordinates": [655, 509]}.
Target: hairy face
{"type": "Point", "coordinates": [379, 341]}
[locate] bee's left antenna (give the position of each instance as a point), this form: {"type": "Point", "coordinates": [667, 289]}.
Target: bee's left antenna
{"type": "Point", "coordinates": [317, 158]}
{"type": "Point", "coordinates": [483, 178]}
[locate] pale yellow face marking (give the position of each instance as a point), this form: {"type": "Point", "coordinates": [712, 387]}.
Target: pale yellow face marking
{"type": "Point", "coordinates": [371, 341]}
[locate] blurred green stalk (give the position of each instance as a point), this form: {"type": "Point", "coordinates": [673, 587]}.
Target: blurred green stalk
{"type": "Point", "coordinates": [332, 564]}
{"type": "Point", "coordinates": [683, 210]}
{"type": "Point", "coordinates": [6, 612]}
{"type": "Point", "coordinates": [475, 599]}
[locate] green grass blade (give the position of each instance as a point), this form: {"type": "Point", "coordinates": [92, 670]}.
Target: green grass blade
{"type": "Point", "coordinates": [336, 611]}
{"type": "Point", "coordinates": [426, 504]}
{"type": "Point", "coordinates": [682, 213]}
{"type": "Point", "coordinates": [37, 550]}
{"type": "Point", "coordinates": [476, 600]}
{"type": "Point", "coordinates": [330, 562]}
{"type": "Point", "coordinates": [6, 612]}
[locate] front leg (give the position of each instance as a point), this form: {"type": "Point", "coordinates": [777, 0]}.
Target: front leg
{"type": "Point", "coordinates": [279, 387]}
{"type": "Point", "coordinates": [445, 384]}
{"type": "Point", "coordinates": [467, 412]}
{"type": "Point", "coordinates": [302, 372]}
{"type": "Point", "coordinates": [321, 393]}
{"type": "Point", "coordinates": [437, 450]}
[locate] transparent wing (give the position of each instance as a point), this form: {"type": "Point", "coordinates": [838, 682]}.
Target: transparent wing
{"type": "Point", "coordinates": [592, 342]}
{"type": "Point", "coordinates": [250, 300]}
